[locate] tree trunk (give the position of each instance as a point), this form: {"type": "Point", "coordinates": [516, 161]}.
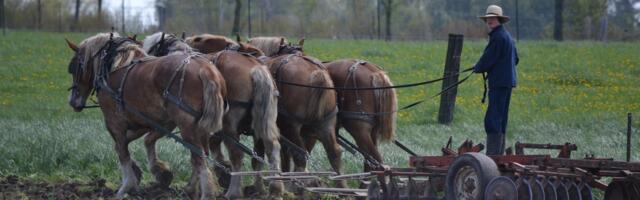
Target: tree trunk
{"type": "Point", "coordinates": [221, 15]}
{"type": "Point", "coordinates": [99, 9]}
{"type": "Point", "coordinates": [236, 18]}
{"type": "Point", "coordinates": [162, 14]}
{"type": "Point", "coordinates": [39, 17]}
{"type": "Point", "coordinates": [379, 7]}
{"type": "Point", "coordinates": [557, 27]}
{"type": "Point", "coordinates": [76, 16]}
{"type": "Point", "coordinates": [2, 21]}
{"type": "Point", "coordinates": [387, 8]}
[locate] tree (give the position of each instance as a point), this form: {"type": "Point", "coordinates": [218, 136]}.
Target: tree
{"type": "Point", "coordinates": [100, 9]}
{"type": "Point", "coordinates": [557, 28]}
{"type": "Point", "coordinates": [76, 16]}
{"type": "Point", "coordinates": [236, 18]}
{"type": "Point", "coordinates": [388, 5]}
{"type": "Point", "coordinates": [39, 17]}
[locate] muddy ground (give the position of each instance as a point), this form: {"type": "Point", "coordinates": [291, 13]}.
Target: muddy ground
{"type": "Point", "coordinates": [14, 187]}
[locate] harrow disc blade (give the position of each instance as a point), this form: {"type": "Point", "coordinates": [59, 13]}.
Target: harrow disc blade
{"type": "Point", "coordinates": [561, 190]}
{"type": "Point", "coordinates": [573, 190]}
{"type": "Point", "coordinates": [585, 191]}
{"type": "Point", "coordinates": [549, 190]}
{"type": "Point", "coordinates": [500, 187]}
{"type": "Point", "coordinates": [524, 189]}
{"type": "Point", "coordinates": [429, 191]}
{"type": "Point", "coordinates": [373, 191]}
{"type": "Point", "coordinates": [537, 189]}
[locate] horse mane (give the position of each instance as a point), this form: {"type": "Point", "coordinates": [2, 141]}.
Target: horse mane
{"type": "Point", "coordinates": [153, 39]}
{"type": "Point", "coordinates": [268, 45]}
{"type": "Point", "coordinates": [94, 44]}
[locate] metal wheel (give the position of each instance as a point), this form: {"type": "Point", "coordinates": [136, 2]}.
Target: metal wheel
{"type": "Point", "coordinates": [468, 176]}
{"type": "Point", "coordinates": [524, 189]}
{"type": "Point", "coordinates": [585, 191]}
{"type": "Point", "coordinates": [549, 190]}
{"type": "Point", "coordinates": [616, 191]}
{"type": "Point", "coordinates": [537, 189]}
{"type": "Point", "coordinates": [573, 190]}
{"type": "Point", "coordinates": [561, 190]}
{"type": "Point", "coordinates": [500, 188]}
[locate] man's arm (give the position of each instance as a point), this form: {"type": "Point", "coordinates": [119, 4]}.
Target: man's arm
{"type": "Point", "coordinates": [489, 57]}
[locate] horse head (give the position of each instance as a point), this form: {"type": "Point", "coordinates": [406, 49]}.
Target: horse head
{"type": "Point", "coordinates": [285, 49]}
{"type": "Point", "coordinates": [162, 44]}
{"type": "Point", "coordinates": [94, 56]}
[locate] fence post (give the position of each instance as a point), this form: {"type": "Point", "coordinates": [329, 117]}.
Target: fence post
{"type": "Point", "coordinates": [629, 121]}
{"type": "Point", "coordinates": [451, 67]}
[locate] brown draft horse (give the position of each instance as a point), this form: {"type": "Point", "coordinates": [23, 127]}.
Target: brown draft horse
{"type": "Point", "coordinates": [251, 98]}
{"type": "Point", "coordinates": [368, 115]}
{"type": "Point", "coordinates": [252, 105]}
{"type": "Point", "coordinates": [132, 90]}
{"type": "Point", "coordinates": [305, 114]}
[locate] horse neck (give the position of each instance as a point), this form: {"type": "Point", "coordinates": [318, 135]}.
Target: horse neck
{"type": "Point", "coordinates": [125, 58]}
{"type": "Point", "coordinates": [180, 47]}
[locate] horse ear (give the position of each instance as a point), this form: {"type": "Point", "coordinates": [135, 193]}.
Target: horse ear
{"type": "Point", "coordinates": [134, 37]}
{"type": "Point", "coordinates": [301, 42]}
{"type": "Point", "coordinates": [282, 42]}
{"type": "Point", "coordinates": [71, 45]}
{"type": "Point", "coordinates": [238, 38]}
{"type": "Point", "coordinates": [184, 35]}
{"type": "Point", "coordinates": [162, 37]}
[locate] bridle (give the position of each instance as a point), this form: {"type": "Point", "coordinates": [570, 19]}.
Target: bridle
{"type": "Point", "coordinates": [162, 47]}
{"type": "Point", "coordinates": [107, 53]}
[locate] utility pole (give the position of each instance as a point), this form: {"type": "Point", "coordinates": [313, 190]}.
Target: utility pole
{"type": "Point", "coordinates": [39, 16]}
{"type": "Point", "coordinates": [123, 30]}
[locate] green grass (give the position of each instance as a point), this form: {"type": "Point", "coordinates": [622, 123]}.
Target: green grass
{"type": "Point", "coordinates": [576, 92]}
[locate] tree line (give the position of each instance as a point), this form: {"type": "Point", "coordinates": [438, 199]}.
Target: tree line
{"type": "Point", "coordinates": [358, 19]}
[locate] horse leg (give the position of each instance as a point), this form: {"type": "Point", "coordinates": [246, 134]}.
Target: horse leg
{"type": "Point", "coordinates": [130, 170]}
{"type": "Point", "coordinates": [158, 168]}
{"type": "Point", "coordinates": [215, 143]}
{"type": "Point", "coordinates": [327, 137]}
{"type": "Point", "coordinates": [276, 188]}
{"type": "Point", "coordinates": [361, 133]}
{"type": "Point", "coordinates": [201, 177]}
{"type": "Point", "coordinates": [230, 128]}
{"type": "Point", "coordinates": [288, 131]}
{"type": "Point", "coordinates": [258, 184]}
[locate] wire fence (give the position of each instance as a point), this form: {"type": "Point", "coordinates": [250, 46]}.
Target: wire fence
{"type": "Point", "coordinates": [357, 19]}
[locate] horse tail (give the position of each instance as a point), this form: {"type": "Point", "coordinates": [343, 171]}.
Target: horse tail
{"type": "Point", "coordinates": [213, 103]}
{"type": "Point", "coordinates": [315, 107]}
{"type": "Point", "coordinates": [265, 105]}
{"type": "Point", "coordinates": [386, 106]}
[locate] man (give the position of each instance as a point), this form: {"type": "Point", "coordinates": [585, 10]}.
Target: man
{"type": "Point", "coordinates": [499, 61]}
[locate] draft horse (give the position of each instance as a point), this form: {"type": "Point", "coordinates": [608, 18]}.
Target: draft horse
{"type": "Point", "coordinates": [368, 115]}
{"type": "Point", "coordinates": [304, 114]}
{"type": "Point", "coordinates": [251, 96]}
{"type": "Point", "coordinates": [141, 95]}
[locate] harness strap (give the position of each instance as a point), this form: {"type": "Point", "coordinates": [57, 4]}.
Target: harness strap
{"type": "Point", "coordinates": [177, 100]}
{"type": "Point", "coordinates": [325, 118]}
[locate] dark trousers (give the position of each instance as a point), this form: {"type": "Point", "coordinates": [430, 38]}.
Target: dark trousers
{"type": "Point", "coordinates": [495, 120]}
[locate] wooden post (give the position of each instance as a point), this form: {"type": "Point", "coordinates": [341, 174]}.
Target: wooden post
{"type": "Point", "coordinates": [451, 67]}
{"type": "Point", "coordinates": [629, 120]}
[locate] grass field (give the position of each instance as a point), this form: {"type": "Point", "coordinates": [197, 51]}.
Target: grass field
{"type": "Point", "coordinates": [578, 92]}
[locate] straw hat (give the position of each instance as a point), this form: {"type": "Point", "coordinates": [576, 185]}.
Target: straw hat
{"type": "Point", "coordinates": [495, 11]}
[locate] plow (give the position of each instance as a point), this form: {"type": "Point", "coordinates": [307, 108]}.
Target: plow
{"type": "Point", "coordinates": [463, 173]}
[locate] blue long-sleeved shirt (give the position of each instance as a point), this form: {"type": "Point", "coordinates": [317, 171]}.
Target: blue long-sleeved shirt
{"type": "Point", "coordinates": [499, 59]}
